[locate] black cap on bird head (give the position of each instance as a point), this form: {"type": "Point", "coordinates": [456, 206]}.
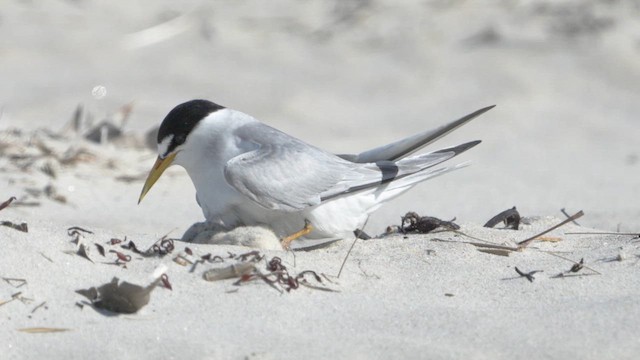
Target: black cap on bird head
{"type": "Point", "coordinates": [182, 119]}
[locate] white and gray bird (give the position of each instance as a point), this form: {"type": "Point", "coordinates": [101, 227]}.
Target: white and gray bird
{"type": "Point", "coordinates": [248, 173]}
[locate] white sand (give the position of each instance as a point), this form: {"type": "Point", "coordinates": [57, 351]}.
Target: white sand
{"type": "Point", "coordinates": [564, 135]}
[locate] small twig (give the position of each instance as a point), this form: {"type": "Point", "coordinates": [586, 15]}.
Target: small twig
{"type": "Point", "coordinates": [5, 302]}
{"type": "Point", "coordinates": [26, 203]}
{"type": "Point", "coordinates": [11, 281]}
{"type": "Point", "coordinates": [346, 257]}
{"type": "Point", "coordinates": [38, 307]}
{"type": "Point", "coordinates": [575, 263]}
{"type": "Point", "coordinates": [18, 296]}
{"type": "Point", "coordinates": [567, 275]}
{"type": "Point", "coordinates": [568, 216]}
{"type": "Point", "coordinates": [523, 244]}
{"type": "Point", "coordinates": [46, 257]}
{"type": "Point", "coordinates": [602, 233]}
{"type": "Point", "coordinates": [42, 330]}
{"type": "Point", "coordinates": [487, 242]}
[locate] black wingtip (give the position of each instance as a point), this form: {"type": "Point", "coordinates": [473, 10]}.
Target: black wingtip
{"type": "Point", "coordinates": [466, 146]}
{"type": "Point", "coordinates": [459, 149]}
{"type": "Point", "coordinates": [481, 111]}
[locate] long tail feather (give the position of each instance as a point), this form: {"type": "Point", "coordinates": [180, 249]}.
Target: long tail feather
{"type": "Point", "coordinates": [406, 146]}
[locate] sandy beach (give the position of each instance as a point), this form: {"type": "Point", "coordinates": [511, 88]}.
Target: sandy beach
{"type": "Point", "coordinates": [345, 76]}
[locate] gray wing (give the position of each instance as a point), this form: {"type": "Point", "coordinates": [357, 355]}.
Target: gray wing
{"type": "Point", "coordinates": [283, 172]}
{"type": "Point", "coordinates": [406, 146]}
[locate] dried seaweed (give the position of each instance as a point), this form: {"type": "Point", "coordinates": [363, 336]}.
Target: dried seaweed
{"type": "Point", "coordinates": [20, 227]}
{"type": "Point", "coordinates": [121, 257]}
{"type": "Point", "coordinates": [510, 218]}
{"type": "Point", "coordinates": [83, 251]}
{"type": "Point", "coordinates": [424, 224]}
{"type": "Point", "coordinates": [527, 275]}
{"type": "Point", "coordinates": [7, 203]}
{"type": "Point", "coordinates": [360, 234]}
{"type": "Point", "coordinates": [253, 256]}
{"type": "Point", "coordinates": [277, 274]}
{"type": "Point", "coordinates": [161, 247]}
{"type": "Point", "coordinates": [77, 232]}
{"type": "Point", "coordinates": [100, 249]}
{"type": "Point", "coordinates": [165, 281]}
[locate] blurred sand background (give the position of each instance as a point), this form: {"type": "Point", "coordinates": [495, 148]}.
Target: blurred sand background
{"type": "Point", "coordinates": [350, 75]}
{"type": "Point", "coordinates": [347, 76]}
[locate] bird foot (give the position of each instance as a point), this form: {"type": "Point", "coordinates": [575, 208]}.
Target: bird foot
{"type": "Point", "coordinates": [286, 241]}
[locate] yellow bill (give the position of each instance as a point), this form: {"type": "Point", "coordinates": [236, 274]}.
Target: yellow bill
{"type": "Point", "coordinates": [158, 168]}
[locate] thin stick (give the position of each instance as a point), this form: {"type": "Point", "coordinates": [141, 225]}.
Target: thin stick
{"type": "Point", "coordinates": [11, 281]}
{"type": "Point", "coordinates": [524, 243]}
{"type": "Point", "coordinates": [38, 307]}
{"type": "Point", "coordinates": [7, 301]}
{"type": "Point", "coordinates": [568, 216]}
{"type": "Point", "coordinates": [601, 233]}
{"type": "Point", "coordinates": [45, 256]}
{"type": "Point", "coordinates": [346, 257]}
{"type": "Point", "coordinates": [351, 248]}
{"type": "Point", "coordinates": [574, 262]}
{"type": "Point", "coordinates": [467, 235]}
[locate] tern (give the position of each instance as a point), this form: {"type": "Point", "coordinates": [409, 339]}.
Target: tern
{"type": "Point", "coordinates": [247, 173]}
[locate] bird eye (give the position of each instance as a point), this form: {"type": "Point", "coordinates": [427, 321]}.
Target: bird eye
{"type": "Point", "coordinates": [179, 139]}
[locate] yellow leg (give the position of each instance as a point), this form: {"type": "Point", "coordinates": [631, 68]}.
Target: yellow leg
{"type": "Point", "coordinates": [286, 241]}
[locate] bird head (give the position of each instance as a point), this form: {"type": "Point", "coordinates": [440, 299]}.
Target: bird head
{"type": "Point", "coordinates": [173, 134]}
